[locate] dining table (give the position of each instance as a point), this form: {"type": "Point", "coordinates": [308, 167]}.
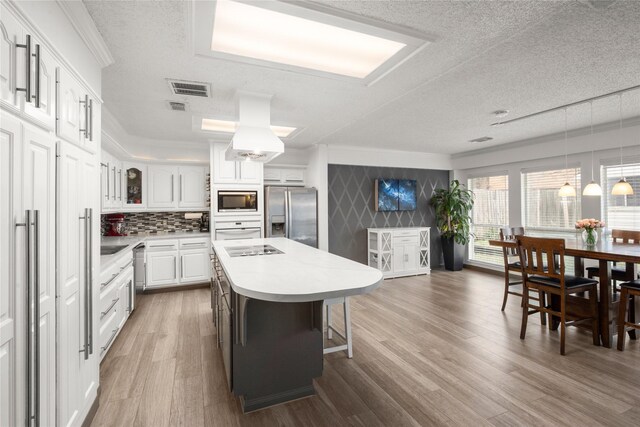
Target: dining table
{"type": "Point", "coordinates": [605, 252]}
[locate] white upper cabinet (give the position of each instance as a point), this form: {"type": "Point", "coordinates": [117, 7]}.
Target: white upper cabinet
{"type": "Point", "coordinates": [11, 34]}
{"type": "Point", "coordinates": [27, 72]}
{"type": "Point", "coordinates": [70, 111]}
{"type": "Point", "coordinates": [43, 86]}
{"type": "Point", "coordinates": [78, 113]}
{"type": "Point", "coordinates": [134, 185]}
{"type": "Point", "coordinates": [162, 186]}
{"type": "Point", "coordinates": [230, 172]}
{"type": "Point", "coordinates": [290, 175]}
{"type": "Point", "coordinates": [191, 187]}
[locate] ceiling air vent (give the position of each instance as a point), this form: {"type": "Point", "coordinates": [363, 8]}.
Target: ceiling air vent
{"type": "Point", "coordinates": [481, 139]}
{"type": "Point", "coordinates": [181, 87]}
{"type": "Point", "coordinates": [177, 106]}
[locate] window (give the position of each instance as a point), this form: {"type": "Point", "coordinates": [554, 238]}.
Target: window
{"type": "Point", "coordinates": [542, 208]}
{"type": "Point", "coordinates": [621, 212]}
{"type": "Point", "coordinates": [490, 212]}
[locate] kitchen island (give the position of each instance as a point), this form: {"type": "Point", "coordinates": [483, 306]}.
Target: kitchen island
{"type": "Point", "coordinates": [267, 298]}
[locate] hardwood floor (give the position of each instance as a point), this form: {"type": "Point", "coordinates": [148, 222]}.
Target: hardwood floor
{"type": "Point", "coordinates": [428, 350]}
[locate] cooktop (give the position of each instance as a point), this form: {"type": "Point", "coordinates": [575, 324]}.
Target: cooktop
{"type": "Point", "coordinates": [237, 251]}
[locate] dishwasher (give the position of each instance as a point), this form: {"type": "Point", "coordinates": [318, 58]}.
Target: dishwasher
{"type": "Point", "coordinates": [139, 268]}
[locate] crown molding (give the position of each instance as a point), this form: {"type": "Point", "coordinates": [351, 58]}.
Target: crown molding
{"type": "Point", "coordinates": [82, 22]}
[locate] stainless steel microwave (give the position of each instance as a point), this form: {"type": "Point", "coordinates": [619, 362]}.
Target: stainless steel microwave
{"type": "Point", "coordinates": [237, 201]}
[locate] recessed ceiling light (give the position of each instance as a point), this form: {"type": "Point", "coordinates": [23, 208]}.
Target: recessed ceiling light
{"type": "Point", "coordinates": [229, 126]}
{"type": "Point", "coordinates": [481, 139]}
{"type": "Point", "coordinates": [256, 32]}
{"type": "Point", "coordinates": [501, 113]}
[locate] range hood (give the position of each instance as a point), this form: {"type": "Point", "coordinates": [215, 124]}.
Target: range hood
{"type": "Point", "coordinates": [254, 140]}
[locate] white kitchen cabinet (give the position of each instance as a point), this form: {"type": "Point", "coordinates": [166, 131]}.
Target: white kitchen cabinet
{"type": "Point", "coordinates": [77, 203]}
{"type": "Point", "coordinates": [77, 113]}
{"type": "Point", "coordinates": [286, 175]}
{"type": "Point", "coordinates": [231, 172]}
{"type": "Point", "coordinates": [134, 185]}
{"type": "Point", "coordinates": [27, 177]}
{"type": "Point", "coordinates": [162, 186]}
{"type": "Point", "coordinates": [12, 59]}
{"type": "Point", "coordinates": [171, 186]}
{"type": "Point", "coordinates": [194, 265]}
{"type": "Point", "coordinates": [15, 64]}
{"type": "Point", "coordinates": [172, 262]}
{"type": "Point", "coordinates": [399, 251]}
{"type": "Point", "coordinates": [111, 173]}
{"type": "Point", "coordinates": [191, 187]}
{"type": "Point", "coordinates": [162, 268]}
{"type": "Point", "coordinates": [43, 67]}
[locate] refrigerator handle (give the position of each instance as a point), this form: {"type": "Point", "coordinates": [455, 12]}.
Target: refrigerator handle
{"type": "Point", "coordinates": [287, 210]}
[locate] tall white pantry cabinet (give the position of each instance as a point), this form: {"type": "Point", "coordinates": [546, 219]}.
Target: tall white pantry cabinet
{"type": "Point", "coordinates": [49, 231]}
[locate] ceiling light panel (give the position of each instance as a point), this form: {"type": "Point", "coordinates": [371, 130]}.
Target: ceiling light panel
{"type": "Point", "coordinates": [247, 30]}
{"type": "Point", "coordinates": [302, 37]}
{"type": "Point", "coordinates": [228, 126]}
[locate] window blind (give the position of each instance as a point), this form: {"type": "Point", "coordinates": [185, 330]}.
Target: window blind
{"type": "Point", "coordinates": [490, 212]}
{"type": "Point", "coordinates": [542, 207]}
{"type": "Point", "coordinates": [621, 212]}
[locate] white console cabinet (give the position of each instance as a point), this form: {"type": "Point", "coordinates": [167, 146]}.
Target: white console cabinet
{"type": "Point", "coordinates": [399, 251]}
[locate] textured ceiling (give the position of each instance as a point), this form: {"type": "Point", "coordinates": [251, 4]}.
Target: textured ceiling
{"type": "Point", "coordinates": [523, 56]}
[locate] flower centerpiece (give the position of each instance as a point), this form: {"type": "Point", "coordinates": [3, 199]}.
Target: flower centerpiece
{"type": "Point", "coordinates": [589, 227]}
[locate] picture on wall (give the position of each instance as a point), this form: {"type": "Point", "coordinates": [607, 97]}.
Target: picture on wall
{"type": "Point", "coordinates": [407, 195]}
{"type": "Point", "coordinates": [395, 195]}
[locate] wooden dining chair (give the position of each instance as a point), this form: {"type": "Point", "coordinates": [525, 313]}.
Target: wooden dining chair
{"type": "Point", "coordinates": [628, 292]}
{"type": "Point", "coordinates": [512, 264]}
{"type": "Point", "coordinates": [618, 274]}
{"type": "Point", "coordinates": [534, 253]}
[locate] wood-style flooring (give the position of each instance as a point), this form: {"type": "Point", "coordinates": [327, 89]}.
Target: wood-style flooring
{"type": "Point", "coordinates": [428, 350]}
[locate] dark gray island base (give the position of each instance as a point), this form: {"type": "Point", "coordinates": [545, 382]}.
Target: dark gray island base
{"type": "Point", "coordinates": [267, 297]}
{"type": "Point", "coordinates": [282, 353]}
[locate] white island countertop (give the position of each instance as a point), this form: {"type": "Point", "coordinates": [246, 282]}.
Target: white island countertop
{"type": "Point", "coordinates": [300, 274]}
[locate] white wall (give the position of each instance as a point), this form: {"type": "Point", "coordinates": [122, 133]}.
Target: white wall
{"type": "Point", "coordinates": [513, 158]}
{"type": "Point", "coordinates": [359, 156]}
{"type": "Point", "coordinates": [318, 177]}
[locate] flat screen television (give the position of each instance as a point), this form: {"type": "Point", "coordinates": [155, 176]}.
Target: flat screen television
{"type": "Point", "coordinates": [395, 195]}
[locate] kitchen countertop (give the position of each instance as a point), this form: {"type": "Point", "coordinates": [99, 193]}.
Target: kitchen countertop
{"type": "Point", "coordinates": [300, 274]}
{"type": "Point", "coordinates": [134, 240]}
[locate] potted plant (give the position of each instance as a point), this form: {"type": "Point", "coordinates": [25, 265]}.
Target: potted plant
{"type": "Point", "coordinates": [453, 219]}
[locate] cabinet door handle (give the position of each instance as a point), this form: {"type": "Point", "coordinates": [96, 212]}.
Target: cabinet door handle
{"type": "Point", "coordinates": [180, 186]}
{"type": "Point", "coordinates": [85, 103]}
{"type": "Point", "coordinates": [113, 304]}
{"type": "Point", "coordinates": [114, 182]}
{"type": "Point", "coordinates": [172, 199]}
{"type": "Point", "coordinates": [106, 346]}
{"type": "Point", "coordinates": [37, 76]}
{"type": "Point", "coordinates": [27, 84]}
{"type": "Point", "coordinates": [108, 180]}
{"type": "Point", "coordinates": [120, 184]}
{"type": "Point", "coordinates": [90, 115]}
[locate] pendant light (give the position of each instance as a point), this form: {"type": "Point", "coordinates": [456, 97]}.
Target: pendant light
{"type": "Point", "coordinates": [566, 190]}
{"type": "Point", "coordinates": [593, 188]}
{"type": "Point", "coordinates": [622, 187]}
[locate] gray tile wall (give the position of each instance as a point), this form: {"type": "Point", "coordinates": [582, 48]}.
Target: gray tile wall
{"type": "Point", "coordinates": [352, 211]}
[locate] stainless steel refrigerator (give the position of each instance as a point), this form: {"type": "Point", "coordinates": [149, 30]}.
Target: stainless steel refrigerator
{"type": "Point", "coordinates": [292, 212]}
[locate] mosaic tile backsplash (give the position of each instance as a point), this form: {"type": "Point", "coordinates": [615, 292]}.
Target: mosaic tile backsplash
{"type": "Point", "coordinates": [153, 222]}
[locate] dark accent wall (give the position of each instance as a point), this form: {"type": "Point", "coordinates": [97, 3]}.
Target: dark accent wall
{"type": "Point", "coordinates": [352, 209]}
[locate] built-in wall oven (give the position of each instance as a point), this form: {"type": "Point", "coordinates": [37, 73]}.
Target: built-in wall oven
{"type": "Point", "coordinates": [244, 201]}
{"type": "Point", "coordinates": [233, 230]}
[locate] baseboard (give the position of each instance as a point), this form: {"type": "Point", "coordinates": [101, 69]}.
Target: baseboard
{"type": "Point", "coordinates": [250, 405]}
{"type": "Point", "coordinates": [92, 411]}
{"type": "Point", "coordinates": [177, 288]}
